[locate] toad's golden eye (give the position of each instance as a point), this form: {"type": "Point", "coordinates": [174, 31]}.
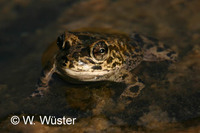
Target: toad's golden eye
{"type": "Point", "coordinates": [100, 51]}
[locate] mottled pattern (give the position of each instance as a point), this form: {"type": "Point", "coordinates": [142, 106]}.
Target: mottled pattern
{"type": "Point", "coordinates": [95, 56]}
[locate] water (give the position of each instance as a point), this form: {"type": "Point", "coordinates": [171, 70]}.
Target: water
{"type": "Point", "coordinates": [170, 100]}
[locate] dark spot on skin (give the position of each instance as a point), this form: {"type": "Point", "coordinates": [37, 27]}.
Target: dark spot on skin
{"type": "Point", "coordinates": [134, 56]}
{"type": "Point", "coordinates": [124, 76]}
{"type": "Point", "coordinates": [75, 55]}
{"type": "Point", "coordinates": [91, 61]}
{"type": "Point", "coordinates": [109, 60]}
{"type": "Point", "coordinates": [135, 89]}
{"type": "Point", "coordinates": [159, 49]}
{"type": "Point", "coordinates": [78, 46]}
{"type": "Point", "coordinates": [133, 44]}
{"type": "Point", "coordinates": [126, 53]}
{"type": "Point", "coordinates": [138, 38]}
{"type": "Point", "coordinates": [137, 50]}
{"type": "Point", "coordinates": [114, 64]}
{"type": "Point", "coordinates": [65, 59]}
{"type": "Point", "coordinates": [149, 46]}
{"type": "Point", "coordinates": [97, 67]}
{"type": "Point", "coordinates": [71, 65]}
{"type": "Point", "coordinates": [170, 53]}
{"type": "Point", "coordinates": [139, 80]}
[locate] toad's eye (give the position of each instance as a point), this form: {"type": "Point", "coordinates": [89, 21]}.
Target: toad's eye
{"type": "Point", "coordinates": [99, 51]}
{"type": "Point", "coordinates": [102, 50]}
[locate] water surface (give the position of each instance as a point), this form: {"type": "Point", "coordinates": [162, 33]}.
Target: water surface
{"type": "Point", "coordinates": [170, 101]}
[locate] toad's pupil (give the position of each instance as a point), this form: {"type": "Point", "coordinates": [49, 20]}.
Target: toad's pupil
{"type": "Point", "coordinates": [102, 50]}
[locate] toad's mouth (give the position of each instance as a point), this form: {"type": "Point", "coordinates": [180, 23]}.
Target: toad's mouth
{"type": "Point", "coordinates": [86, 75]}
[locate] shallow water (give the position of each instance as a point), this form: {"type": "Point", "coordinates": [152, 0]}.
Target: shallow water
{"type": "Point", "coordinates": [170, 101]}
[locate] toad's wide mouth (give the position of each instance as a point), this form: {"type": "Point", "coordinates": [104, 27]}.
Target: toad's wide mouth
{"type": "Point", "coordinates": [86, 75]}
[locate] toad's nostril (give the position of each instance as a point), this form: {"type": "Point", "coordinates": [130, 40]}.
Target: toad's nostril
{"type": "Point", "coordinates": [60, 41]}
{"type": "Point", "coordinates": [66, 45]}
